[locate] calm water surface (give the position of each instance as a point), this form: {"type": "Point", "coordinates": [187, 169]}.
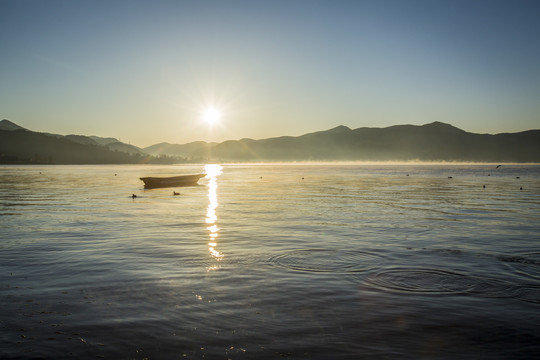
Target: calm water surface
{"type": "Point", "coordinates": [271, 261]}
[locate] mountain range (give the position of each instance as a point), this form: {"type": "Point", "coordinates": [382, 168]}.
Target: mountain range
{"type": "Point", "coordinates": [431, 142]}
{"type": "Point", "coordinates": [21, 146]}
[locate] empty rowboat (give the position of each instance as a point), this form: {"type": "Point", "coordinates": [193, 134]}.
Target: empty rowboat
{"type": "Point", "coordinates": [161, 182]}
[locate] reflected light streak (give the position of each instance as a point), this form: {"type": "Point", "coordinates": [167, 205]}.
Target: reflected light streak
{"type": "Point", "coordinates": [212, 172]}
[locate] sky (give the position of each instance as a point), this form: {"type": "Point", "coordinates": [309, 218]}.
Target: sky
{"type": "Point", "coordinates": [145, 71]}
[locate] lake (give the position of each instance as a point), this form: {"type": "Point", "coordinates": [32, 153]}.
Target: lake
{"type": "Point", "coordinates": [266, 261]}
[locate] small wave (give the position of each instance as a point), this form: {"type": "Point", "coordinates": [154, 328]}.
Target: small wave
{"type": "Point", "coordinates": [493, 288]}
{"type": "Point", "coordinates": [454, 252]}
{"type": "Point", "coordinates": [420, 280]}
{"type": "Point", "coordinates": [525, 264]}
{"type": "Point", "coordinates": [437, 281]}
{"type": "Point", "coordinates": [529, 294]}
{"type": "Point", "coordinates": [325, 260]}
{"type": "Point", "coordinates": [520, 259]}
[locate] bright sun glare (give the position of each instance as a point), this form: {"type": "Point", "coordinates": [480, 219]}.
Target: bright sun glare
{"type": "Point", "coordinates": [211, 116]}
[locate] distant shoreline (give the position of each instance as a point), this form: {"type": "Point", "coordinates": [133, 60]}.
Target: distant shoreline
{"type": "Point", "coordinates": [305, 163]}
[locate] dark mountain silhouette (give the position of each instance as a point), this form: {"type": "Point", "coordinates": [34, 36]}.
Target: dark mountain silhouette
{"type": "Point", "coordinates": [79, 139]}
{"type": "Point", "coordinates": [8, 125]}
{"type": "Point", "coordinates": [21, 146]}
{"type": "Point", "coordinates": [102, 140]}
{"type": "Point", "coordinates": [197, 148]}
{"type": "Point", "coordinates": [127, 148]}
{"type": "Point", "coordinates": [117, 145]}
{"type": "Point", "coordinates": [431, 142]}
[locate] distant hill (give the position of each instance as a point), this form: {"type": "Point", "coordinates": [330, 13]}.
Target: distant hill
{"type": "Point", "coordinates": [193, 149]}
{"type": "Point", "coordinates": [116, 145]}
{"type": "Point", "coordinates": [9, 126]}
{"type": "Point", "coordinates": [127, 148]}
{"type": "Point", "coordinates": [102, 140]}
{"type": "Point", "coordinates": [21, 146]}
{"type": "Point", "coordinates": [80, 139]}
{"type": "Point", "coordinates": [436, 141]}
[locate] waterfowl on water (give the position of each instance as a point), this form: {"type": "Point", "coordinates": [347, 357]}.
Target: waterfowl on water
{"type": "Point", "coordinates": [133, 196]}
{"type": "Point", "coordinates": [175, 193]}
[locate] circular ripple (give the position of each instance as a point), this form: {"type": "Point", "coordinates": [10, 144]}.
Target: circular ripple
{"type": "Point", "coordinates": [490, 287]}
{"type": "Point", "coordinates": [421, 281]}
{"type": "Point", "coordinates": [525, 264]}
{"type": "Point", "coordinates": [324, 260]}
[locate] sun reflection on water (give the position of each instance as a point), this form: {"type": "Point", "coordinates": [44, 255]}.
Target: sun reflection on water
{"type": "Point", "coordinates": [212, 172]}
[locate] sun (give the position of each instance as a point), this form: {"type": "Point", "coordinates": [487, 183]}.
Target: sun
{"type": "Point", "coordinates": [211, 116]}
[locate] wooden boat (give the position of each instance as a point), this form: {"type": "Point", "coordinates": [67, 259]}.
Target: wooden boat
{"type": "Point", "coordinates": [161, 182]}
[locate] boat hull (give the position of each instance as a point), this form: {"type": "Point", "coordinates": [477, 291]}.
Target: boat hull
{"type": "Point", "coordinates": [161, 182]}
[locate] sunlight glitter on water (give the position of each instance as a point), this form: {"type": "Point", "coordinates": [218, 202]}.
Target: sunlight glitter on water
{"type": "Point", "coordinates": [212, 172]}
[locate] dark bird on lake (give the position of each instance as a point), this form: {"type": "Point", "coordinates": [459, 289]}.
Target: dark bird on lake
{"type": "Point", "coordinates": [450, 177]}
{"type": "Point", "coordinates": [133, 196]}
{"type": "Point", "coordinates": [517, 177]}
{"type": "Point", "coordinates": [521, 188]}
{"type": "Point", "coordinates": [484, 186]}
{"type": "Point", "coordinates": [175, 193]}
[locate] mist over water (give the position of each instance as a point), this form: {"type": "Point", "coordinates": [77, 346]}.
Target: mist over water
{"type": "Point", "coordinates": [271, 261]}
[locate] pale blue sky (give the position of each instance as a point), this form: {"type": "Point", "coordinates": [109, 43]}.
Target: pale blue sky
{"type": "Point", "coordinates": [144, 70]}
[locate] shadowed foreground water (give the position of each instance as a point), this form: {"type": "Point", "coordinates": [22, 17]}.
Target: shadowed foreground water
{"type": "Point", "coordinates": [271, 261]}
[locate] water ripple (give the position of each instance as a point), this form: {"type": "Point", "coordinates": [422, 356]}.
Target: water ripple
{"type": "Point", "coordinates": [420, 280]}
{"type": "Point", "coordinates": [529, 294]}
{"type": "Point", "coordinates": [437, 281]}
{"type": "Point", "coordinates": [328, 260]}
{"type": "Point", "coordinates": [525, 264]}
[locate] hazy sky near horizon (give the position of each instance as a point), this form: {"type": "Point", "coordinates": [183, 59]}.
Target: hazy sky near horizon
{"type": "Point", "coordinates": [143, 71]}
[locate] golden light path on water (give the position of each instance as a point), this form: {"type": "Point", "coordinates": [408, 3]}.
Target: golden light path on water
{"type": "Point", "coordinates": [212, 172]}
